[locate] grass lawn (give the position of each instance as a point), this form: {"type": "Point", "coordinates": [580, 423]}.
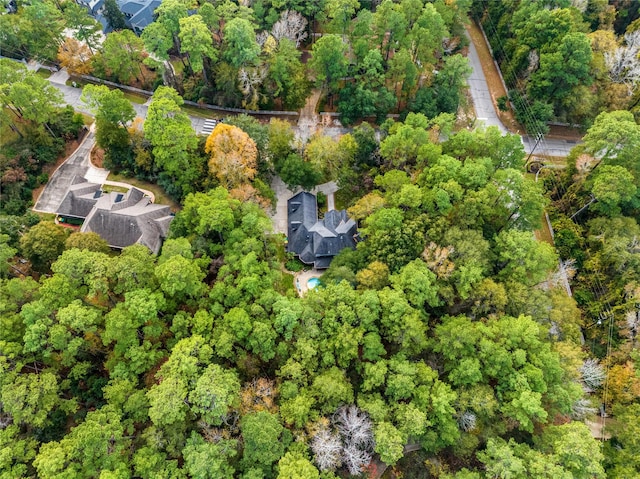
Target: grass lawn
{"type": "Point", "coordinates": [199, 112]}
{"type": "Point", "coordinates": [43, 73]}
{"type": "Point", "coordinates": [178, 66]}
{"type": "Point", "coordinates": [544, 233]}
{"type": "Point", "coordinates": [77, 83]}
{"type": "Point", "coordinates": [88, 119]}
{"type": "Point", "coordinates": [161, 197]}
{"type": "Point", "coordinates": [135, 98]}
{"type": "Point", "coordinates": [285, 284]}
{"type": "Point", "coordinates": [46, 216]}
{"type": "Point", "coordinates": [114, 189]}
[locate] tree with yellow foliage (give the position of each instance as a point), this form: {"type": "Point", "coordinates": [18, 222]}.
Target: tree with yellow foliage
{"type": "Point", "coordinates": [75, 57]}
{"type": "Point", "coordinates": [233, 155]}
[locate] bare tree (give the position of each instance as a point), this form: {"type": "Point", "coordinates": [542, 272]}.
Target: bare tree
{"type": "Point", "coordinates": [581, 409]}
{"type": "Point", "coordinates": [291, 25]}
{"type": "Point", "coordinates": [356, 431]}
{"type": "Point", "coordinates": [350, 444]}
{"type": "Point", "coordinates": [354, 426]}
{"type": "Point", "coordinates": [623, 63]}
{"type": "Point", "coordinates": [327, 449]}
{"type": "Point", "coordinates": [261, 37]}
{"type": "Point", "coordinates": [250, 80]}
{"type": "Point", "coordinates": [581, 5]}
{"type": "Point", "coordinates": [593, 373]}
{"type": "Point", "coordinates": [355, 459]}
{"type": "Point", "coordinates": [632, 323]}
{"type": "Point", "coordinates": [467, 421]}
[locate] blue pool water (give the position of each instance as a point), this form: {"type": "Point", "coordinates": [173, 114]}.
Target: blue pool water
{"type": "Point", "coordinates": [313, 283]}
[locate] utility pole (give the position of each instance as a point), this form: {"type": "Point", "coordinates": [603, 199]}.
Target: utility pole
{"type": "Point", "coordinates": [539, 138]}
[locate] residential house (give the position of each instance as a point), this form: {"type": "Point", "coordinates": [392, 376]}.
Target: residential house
{"type": "Point", "coordinates": [137, 13]}
{"type": "Point", "coordinates": [316, 241]}
{"type": "Point", "coordinates": [121, 219]}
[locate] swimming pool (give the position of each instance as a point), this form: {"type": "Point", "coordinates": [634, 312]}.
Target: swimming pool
{"type": "Point", "coordinates": [313, 283]}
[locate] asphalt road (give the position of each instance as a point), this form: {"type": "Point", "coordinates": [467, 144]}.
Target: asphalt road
{"type": "Point", "coordinates": [482, 103]}
{"type": "Point", "coordinates": [486, 113]}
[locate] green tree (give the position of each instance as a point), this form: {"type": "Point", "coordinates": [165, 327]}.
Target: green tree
{"type": "Point", "coordinates": [389, 26]}
{"type": "Point", "coordinates": [87, 241]}
{"type": "Point", "coordinates": [87, 29]}
{"type": "Point", "coordinates": [562, 70]}
{"type": "Point", "coordinates": [328, 60]}
{"type": "Point", "coordinates": [27, 96]}
{"type": "Point", "coordinates": [114, 16]}
{"type": "Point", "coordinates": [113, 114]}
{"type": "Point", "coordinates": [522, 258]}
{"type": "Point", "coordinates": [123, 53]}
{"type": "Point", "coordinates": [295, 172]}
{"type": "Point", "coordinates": [610, 199]}
{"type": "Point", "coordinates": [622, 453]}
{"type": "Point", "coordinates": [157, 40]}
{"type": "Point", "coordinates": [196, 42]}
{"type": "Point", "coordinates": [96, 445]}
{"type": "Point", "coordinates": [280, 140]}
{"type": "Point", "coordinates": [6, 253]}
{"type": "Point", "coordinates": [43, 243]}
{"type": "Point", "coordinates": [215, 392]}
{"type": "Point", "coordinates": [241, 48]}
{"type": "Point", "coordinates": [576, 449]}
{"type": "Point", "coordinates": [42, 27]}
{"type": "Point", "coordinates": [426, 35]}
{"type": "Point", "coordinates": [173, 140]}
{"type": "Point", "coordinates": [180, 277]}
{"type": "Point", "coordinates": [294, 465]}
{"type": "Point", "coordinates": [206, 460]}
{"type": "Point", "coordinates": [286, 75]}
{"type": "Point", "coordinates": [450, 82]}
{"type": "Point", "coordinates": [30, 398]}
{"type": "Point", "coordinates": [614, 137]}
{"type": "Point", "coordinates": [169, 14]}
{"type": "Point", "coordinates": [389, 443]}
{"type": "Point", "coordinates": [262, 435]}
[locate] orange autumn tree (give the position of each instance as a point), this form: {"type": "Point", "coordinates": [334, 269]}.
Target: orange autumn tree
{"type": "Point", "coordinates": [234, 155]}
{"type": "Point", "coordinates": [75, 57]}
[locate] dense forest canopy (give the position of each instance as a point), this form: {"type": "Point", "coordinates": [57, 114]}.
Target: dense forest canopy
{"type": "Point", "coordinates": [445, 345]}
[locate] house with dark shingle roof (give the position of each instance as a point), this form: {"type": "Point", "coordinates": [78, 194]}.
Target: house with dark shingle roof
{"type": "Point", "coordinates": [121, 219]}
{"type": "Point", "coordinates": [137, 13]}
{"type": "Point", "coordinates": [316, 241]}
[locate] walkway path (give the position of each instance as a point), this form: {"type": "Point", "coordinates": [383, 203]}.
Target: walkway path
{"type": "Point", "coordinates": [308, 120]}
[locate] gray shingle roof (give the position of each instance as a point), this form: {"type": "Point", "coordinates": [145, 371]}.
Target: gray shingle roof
{"type": "Point", "coordinates": [144, 16]}
{"type": "Point", "coordinates": [121, 219]}
{"type": "Point", "coordinates": [80, 198]}
{"type": "Point", "coordinates": [317, 242]}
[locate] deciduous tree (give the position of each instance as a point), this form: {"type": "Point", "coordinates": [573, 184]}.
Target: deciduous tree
{"type": "Point", "coordinates": [233, 155]}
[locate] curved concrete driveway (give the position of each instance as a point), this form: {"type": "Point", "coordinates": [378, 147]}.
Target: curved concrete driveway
{"type": "Point", "coordinates": [77, 164]}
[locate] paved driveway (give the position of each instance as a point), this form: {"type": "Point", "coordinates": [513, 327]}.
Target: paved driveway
{"type": "Point", "coordinates": [76, 165]}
